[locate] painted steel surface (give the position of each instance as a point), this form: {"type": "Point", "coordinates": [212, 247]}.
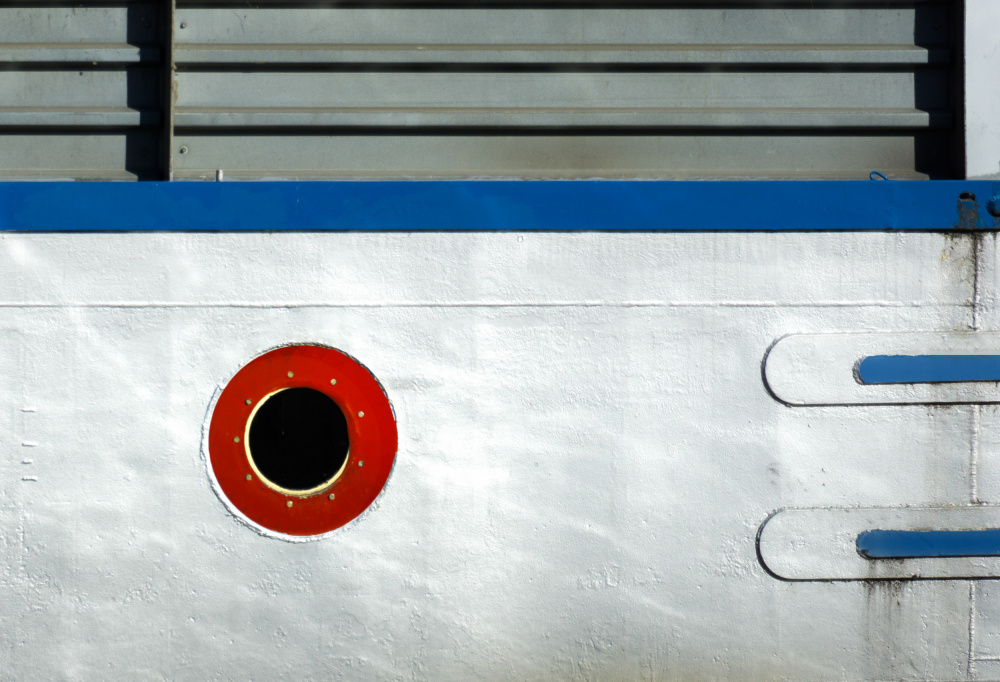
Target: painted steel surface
{"type": "Point", "coordinates": [594, 480]}
{"type": "Point", "coordinates": [587, 452]}
{"type": "Point", "coordinates": [824, 369]}
{"type": "Point", "coordinates": [824, 544]}
{"type": "Point", "coordinates": [500, 205]}
{"type": "Point", "coordinates": [982, 101]}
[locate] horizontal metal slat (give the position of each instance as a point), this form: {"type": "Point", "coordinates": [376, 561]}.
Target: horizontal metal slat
{"type": "Point", "coordinates": [95, 155]}
{"type": "Point", "coordinates": [110, 53]}
{"type": "Point", "coordinates": [563, 54]}
{"type": "Point", "coordinates": [646, 118]}
{"type": "Point", "coordinates": [134, 87]}
{"type": "Point", "coordinates": [558, 97]}
{"type": "Point", "coordinates": [679, 26]}
{"type": "Point", "coordinates": [133, 23]}
{"type": "Point", "coordinates": [555, 4]}
{"type": "Point", "coordinates": [531, 156]}
{"type": "Point", "coordinates": [92, 117]}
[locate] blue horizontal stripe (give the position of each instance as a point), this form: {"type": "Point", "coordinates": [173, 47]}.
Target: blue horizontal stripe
{"type": "Point", "coordinates": [913, 544]}
{"type": "Point", "coordinates": [925, 369]}
{"type": "Point", "coordinates": [496, 205]}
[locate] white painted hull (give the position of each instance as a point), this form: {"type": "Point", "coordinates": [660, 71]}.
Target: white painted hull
{"type": "Point", "coordinates": [587, 452]}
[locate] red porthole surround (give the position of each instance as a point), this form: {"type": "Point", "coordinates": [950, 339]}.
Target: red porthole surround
{"type": "Point", "coordinates": [371, 428]}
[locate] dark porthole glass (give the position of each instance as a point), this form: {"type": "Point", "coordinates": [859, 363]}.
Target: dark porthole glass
{"type": "Point", "coordinates": [298, 439]}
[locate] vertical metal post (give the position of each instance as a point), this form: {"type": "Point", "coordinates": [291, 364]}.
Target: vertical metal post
{"type": "Point", "coordinates": [167, 90]}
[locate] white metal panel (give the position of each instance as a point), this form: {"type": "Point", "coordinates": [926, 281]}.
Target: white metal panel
{"type": "Point", "coordinates": [587, 451]}
{"type": "Point", "coordinates": [982, 98]}
{"type": "Point", "coordinates": [821, 543]}
{"type": "Point", "coordinates": [820, 369]}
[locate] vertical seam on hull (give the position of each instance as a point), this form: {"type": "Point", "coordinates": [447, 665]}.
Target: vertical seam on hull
{"type": "Point", "coordinates": [974, 456]}
{"type": "Point", "coordinates": [977, 246]}
{"type": "Point", "coordinates": [972, 630]}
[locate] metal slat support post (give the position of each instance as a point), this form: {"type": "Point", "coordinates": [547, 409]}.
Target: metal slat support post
{"type": "Point", "coordinates": [168, 90]}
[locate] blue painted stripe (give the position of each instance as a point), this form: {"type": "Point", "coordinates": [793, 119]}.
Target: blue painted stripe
{"type": "Point", "coordinates": [914, 544]}
{"type": "Point", "coordinates": [495, 205]}
{"type": "Point", "coordinates": [925, 369]}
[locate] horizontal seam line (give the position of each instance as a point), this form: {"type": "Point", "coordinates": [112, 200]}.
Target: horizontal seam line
{"type": "Point", "coordinates": [483, 304]}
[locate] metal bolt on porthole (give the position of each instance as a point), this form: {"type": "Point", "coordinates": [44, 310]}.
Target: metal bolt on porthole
{"type": "Point", "coordinates": [184, 150]}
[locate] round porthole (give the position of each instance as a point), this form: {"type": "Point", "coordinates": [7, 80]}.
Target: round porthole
{"type": "Point", "coordinates": [301, 440]}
